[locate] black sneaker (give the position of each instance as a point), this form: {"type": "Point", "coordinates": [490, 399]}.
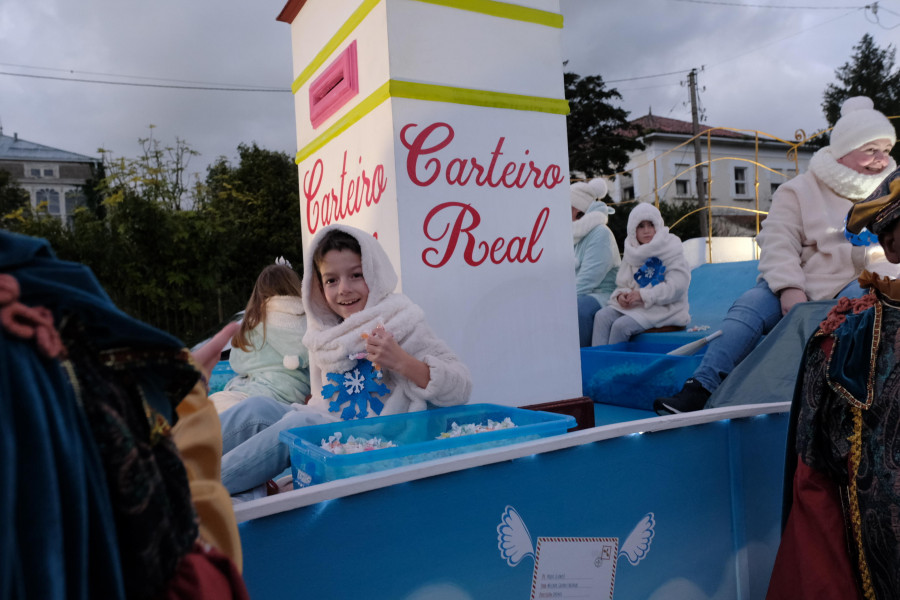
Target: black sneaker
{"type": "Point", "coordinates": [692, 396]}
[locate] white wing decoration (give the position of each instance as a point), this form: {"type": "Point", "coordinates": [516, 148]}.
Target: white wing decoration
{"type": "Point", "coordinates": [637, 544]}
{"type": "Point", "coordinates": [513, 538]}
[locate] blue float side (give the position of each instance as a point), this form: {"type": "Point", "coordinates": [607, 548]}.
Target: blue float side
{"type": "Point", "coordinates": [634, 373]}
{"type": "Point", "coordinates": [713, 490]}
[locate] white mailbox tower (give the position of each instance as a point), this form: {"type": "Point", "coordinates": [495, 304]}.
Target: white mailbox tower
{"type": "Point", "coordinates": [439, 126]}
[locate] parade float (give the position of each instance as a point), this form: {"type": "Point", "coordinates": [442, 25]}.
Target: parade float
{"type": "Point", "coordinates": [439, 126]}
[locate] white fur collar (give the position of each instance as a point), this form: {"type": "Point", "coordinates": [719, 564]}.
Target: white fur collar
{"type": "Point", "coordinates": [587, 223]}
{"type": "Point", "coordinates": [843, 180]}
{"type": "Point", "coordinates": [664, 245]}
{"type": "Point", "coordinates": [292, 305]}
{"type": "Point", "coordinates": [332, 345]}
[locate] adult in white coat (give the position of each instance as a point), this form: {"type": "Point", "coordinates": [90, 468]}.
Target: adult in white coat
{"type": "Point", "coordinates": [806, 253]}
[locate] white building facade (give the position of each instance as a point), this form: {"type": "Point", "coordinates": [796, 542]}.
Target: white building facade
{"type": "Point", "coordinates": [741, 170]}
{"type": "Point", "coordinates": [53, 178]}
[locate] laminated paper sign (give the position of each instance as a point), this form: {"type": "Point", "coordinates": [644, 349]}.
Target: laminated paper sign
{"type": "Point", "coordinates": [566, 568]}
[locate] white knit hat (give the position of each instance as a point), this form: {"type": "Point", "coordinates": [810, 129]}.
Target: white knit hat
{"type": "Point", "coordinates": [859, 124]}
{"type": "Point", "coordinates": [585, 192]}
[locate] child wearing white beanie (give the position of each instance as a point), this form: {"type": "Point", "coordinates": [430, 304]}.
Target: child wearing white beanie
{"type": "Point", "coordinates": [596, 252]}
{"type": "Point", "coordinates": [583, 193]}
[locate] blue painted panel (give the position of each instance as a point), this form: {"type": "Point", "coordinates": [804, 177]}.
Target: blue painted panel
{"type": "Point", "coordinates": [714, 288]}
{"type": "Point", "coordinates": [714, 490]}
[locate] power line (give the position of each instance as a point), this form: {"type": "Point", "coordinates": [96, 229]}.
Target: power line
{"type": "Point", "coordinates": [740, 5]}
{"type": "Point", "coordinates": [682, 71]}
{"type": "Point", "coordinates": [72, 71]}
{"type": "Point", "coordinates": [648, 76]}
{"type": "Point", "coordinates": [781, 39]}
{"type": "Point", "coordinates": [151, 85]}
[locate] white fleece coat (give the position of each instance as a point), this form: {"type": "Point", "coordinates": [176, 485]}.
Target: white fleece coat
{"type": "Point", "coordinates": [802, 244]}
{"type": "Point", "coordinates": [332, 341]}
{"type": "Point", "coordinates": [666, 302]}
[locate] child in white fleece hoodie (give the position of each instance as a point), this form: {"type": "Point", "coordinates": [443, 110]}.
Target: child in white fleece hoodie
{"type": "Point", "coordinates": [371, 353]}
{"type": "Point", "coordinates": [652, 282]}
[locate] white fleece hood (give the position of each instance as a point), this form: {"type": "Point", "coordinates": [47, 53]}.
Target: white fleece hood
{"type": "Point", "coordinates": [379, 273]}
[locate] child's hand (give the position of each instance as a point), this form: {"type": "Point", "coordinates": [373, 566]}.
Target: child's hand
{"type": "Point", "coordinates": [630, 299]}
{"type": "Point", "coordinates": [636, 300]}
{"type": "Point", "coordinates": [208, 355]}
{"type": "Point", "coordinates": [789, 297]}
{"type": "Point", "coordinates": [384, 351]}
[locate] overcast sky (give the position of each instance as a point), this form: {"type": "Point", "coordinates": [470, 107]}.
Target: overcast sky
{"type": "Point", "coordinates": [764, 68]}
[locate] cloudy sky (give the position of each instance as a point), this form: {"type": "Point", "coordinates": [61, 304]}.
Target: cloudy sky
{"type": "Point", "coordinates": [765, 65]}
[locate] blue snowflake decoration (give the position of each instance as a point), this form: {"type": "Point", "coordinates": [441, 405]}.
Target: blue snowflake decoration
{"type": "Point", "coordinates": [863, 238]}
{"type": "Point", "coordinates": [651, 273]}
{"type": "Point", "coordinates": [356, 388]}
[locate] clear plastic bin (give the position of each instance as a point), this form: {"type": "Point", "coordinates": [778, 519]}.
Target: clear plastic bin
{"type": "Point", "coordinates": [416, 438]}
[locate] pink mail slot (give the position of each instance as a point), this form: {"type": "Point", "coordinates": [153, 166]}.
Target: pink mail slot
{"type": "Point", "coordinates": [334, 87]}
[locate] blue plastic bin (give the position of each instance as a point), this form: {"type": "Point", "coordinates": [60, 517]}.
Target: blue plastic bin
{"type": "Point", "coordinates": [415, 436]}
{"type": "Point", "coordinates": [633, 374]}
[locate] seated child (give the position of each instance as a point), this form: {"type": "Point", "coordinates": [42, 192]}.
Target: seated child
{"type": "Point", "coordinates": [371, 353]}
{"type": "Point", "coordinates": [652, 282]}
{"type": "Point", "coordinates": [267, 352]}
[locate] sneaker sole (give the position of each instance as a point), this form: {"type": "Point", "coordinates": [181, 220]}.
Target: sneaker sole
{"type": "Point", "coordinates": [672, 410]}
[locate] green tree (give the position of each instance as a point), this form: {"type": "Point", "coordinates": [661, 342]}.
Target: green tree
{"type": "Point", "coordinates": [158, 174]}
{"type": "Point", "coordinates": [252, 211]}
{"type": "Point", "coordinates": [598, 144]}
{"type": "Point", "coordinates": [870, 72]}
{"type": "Point", "coordinates": [13, 200]}
{"type": "Point", "coordinates": [178, 257]}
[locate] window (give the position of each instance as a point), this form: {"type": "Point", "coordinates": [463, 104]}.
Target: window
{"type": "Point", "coordinates": [740, 182]}
{"type": "Point", "coordinates": [74, 199]}
{"type": "Point", "coordinates": [628, 193]}
{"type": "Point", "coordinates": [39, 171]}
{"type": "Point", "coordinates": [781, 176]}
{"type": "Point", "coordinates": [51, 198]}
{"type": "Point", "coordinates": [683, 174]}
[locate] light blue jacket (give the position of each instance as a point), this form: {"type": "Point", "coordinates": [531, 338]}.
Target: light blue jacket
{"type": "Point", "coordinates": [596, 254]}
{"type": "Point", "coordinates": [278, 368]}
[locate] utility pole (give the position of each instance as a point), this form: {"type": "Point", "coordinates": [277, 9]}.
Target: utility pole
{"type": "Point", "coordinates": [695, 129]}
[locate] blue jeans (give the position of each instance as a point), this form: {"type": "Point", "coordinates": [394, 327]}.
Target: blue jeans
{"type": "Point", "coordinates": [751, 316]}
{"type": "Point", "coordinates": [587, 307]}
{"type": "Point", "coordinates": [251, 451]}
